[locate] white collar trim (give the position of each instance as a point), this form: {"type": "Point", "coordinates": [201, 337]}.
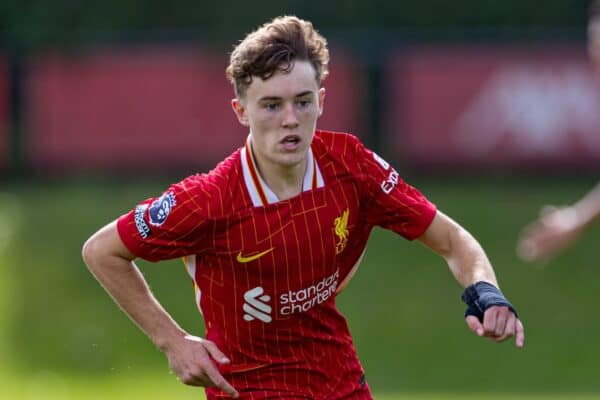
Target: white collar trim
{"type": "Point", "coordinates": [260, 193]}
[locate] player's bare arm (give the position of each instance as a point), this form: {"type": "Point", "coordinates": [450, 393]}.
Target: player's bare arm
{"type": "Point", "coordinates": [472, 269]}
{"type": "Point", "coordinates": [191, 358]}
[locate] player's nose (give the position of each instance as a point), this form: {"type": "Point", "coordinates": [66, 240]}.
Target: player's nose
{"type": "Point", "coordinates": [290, 116]}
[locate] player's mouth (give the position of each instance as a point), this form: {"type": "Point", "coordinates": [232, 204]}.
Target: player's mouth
{"type": "Point", "coordinates": [290, 142]}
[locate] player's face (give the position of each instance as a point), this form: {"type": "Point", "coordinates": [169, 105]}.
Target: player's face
{"type": "Point", "coordinates": [282, 114]}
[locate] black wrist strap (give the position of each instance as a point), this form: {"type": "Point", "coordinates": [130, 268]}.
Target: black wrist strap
{"type": "Point", "coordinates": [482, 295]}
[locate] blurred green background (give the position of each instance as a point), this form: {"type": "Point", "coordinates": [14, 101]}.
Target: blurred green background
{"type": "Point", "coordinates": [403, 306]}
{"type": "Point", "coordinates": [61, 336]}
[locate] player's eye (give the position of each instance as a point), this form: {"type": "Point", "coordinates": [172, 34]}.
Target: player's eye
{"type": "Point", "coordinates": [271, 105]}
{"type": "Point", "coordinates": [303, 103]}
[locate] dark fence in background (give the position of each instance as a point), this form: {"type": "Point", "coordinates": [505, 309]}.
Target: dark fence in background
{"type": "Point", "coordinates": [4, 131]}
{"type": "Point", "coordinates": [33, 24]}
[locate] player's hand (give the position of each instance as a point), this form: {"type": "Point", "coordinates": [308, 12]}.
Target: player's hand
{"type": "Point", "coordinates": [193, 361]}
{"type": "Point", "coordinates": [555, 230]}
{"type": "Point", "coordinates": [499, 324]}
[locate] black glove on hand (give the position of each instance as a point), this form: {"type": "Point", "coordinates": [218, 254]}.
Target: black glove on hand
{"type": "Point", "coordinates": [482, 295]}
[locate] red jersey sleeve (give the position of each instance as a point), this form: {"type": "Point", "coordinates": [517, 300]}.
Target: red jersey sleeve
{"type": "Point", "coordinates": [168, 226]}
{"type": "Point", "coordinates": [392, 203]}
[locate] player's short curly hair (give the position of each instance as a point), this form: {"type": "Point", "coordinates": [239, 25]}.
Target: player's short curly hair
{"type": "Point", "coordinates": [274, 47]}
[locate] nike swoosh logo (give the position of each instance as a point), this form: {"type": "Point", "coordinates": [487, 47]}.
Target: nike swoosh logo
{"type": "Point", "coordinates": [241, 259]}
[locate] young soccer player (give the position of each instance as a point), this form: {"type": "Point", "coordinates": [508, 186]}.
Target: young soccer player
{"type": "Point", "coordinates": [275, 232]}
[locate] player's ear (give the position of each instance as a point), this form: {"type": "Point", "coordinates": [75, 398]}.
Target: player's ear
{"type": "Point", "coordinates": [240, 111]}
{"type": "Point", "coordinates": [321, 100]}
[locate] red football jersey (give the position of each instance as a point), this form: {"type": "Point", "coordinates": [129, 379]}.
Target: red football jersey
{"type": "Point", "coordinates": [267, 272]}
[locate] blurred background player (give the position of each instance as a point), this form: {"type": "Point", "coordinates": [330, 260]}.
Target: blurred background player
{"type": "Point", "coordinates": [559, 227]}
{"type": "Point", "coordinates": [275, 232]}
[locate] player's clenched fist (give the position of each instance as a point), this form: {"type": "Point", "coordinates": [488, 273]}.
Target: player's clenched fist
{"type": "Point", "coordinates": [489, 314]}
{"type": "Point", "coordinates": [193, 359]}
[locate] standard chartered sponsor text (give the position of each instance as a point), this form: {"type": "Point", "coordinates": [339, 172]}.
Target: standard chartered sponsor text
{"type": "Point", "coordinates": [304, 299]}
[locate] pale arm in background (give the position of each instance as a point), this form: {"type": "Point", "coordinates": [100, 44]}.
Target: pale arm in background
{"type": "Point", "coordinates": [558, 227]}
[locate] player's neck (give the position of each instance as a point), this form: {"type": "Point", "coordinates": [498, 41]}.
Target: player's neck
{"type": "Point", "coordinates": [285, 181]}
